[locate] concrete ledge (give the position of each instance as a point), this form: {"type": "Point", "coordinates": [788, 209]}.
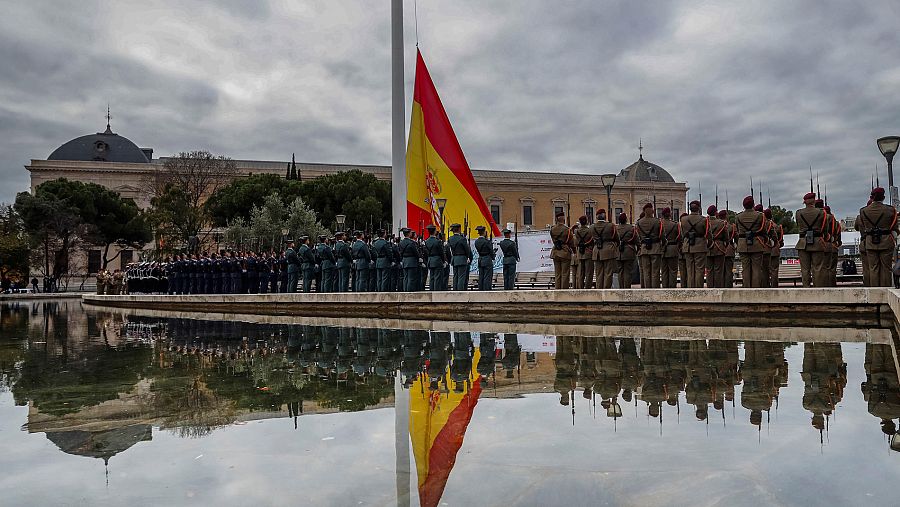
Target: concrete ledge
{"type": "Point", "coordinates": [862, 308]}
{"type": "Point", "coordinates": [41, 295]}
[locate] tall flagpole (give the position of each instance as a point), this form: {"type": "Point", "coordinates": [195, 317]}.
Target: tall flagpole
{"type": "Point", "coordinates": [398, 212]}
{"type": "Point", "coordinates": [398, 117]}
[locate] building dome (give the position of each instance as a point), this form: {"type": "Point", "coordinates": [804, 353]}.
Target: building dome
{"type": "Point", "coordinates": [645, 171]}
{"type": "Point", "coordinates": [103, 147]}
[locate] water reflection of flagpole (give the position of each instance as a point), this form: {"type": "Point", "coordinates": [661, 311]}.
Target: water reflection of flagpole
{"type": "Point", "coordinates": [401, 443]}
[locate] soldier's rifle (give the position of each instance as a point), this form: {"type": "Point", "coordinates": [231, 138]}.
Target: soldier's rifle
{"type": "Point", "coordinates": [818, 191]}
{"type": "Point", "coordinates": [717, 197]}
{"type": "Point", "coordinates": [810, 180]}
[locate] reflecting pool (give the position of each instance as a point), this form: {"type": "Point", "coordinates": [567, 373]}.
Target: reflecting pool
{"type": "Point", "coordinates": [119, 408]}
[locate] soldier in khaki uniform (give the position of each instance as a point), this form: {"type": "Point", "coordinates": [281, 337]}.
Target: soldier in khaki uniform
{"type": "Point", "coordinates": [863, 260]}
{"type": "Point", "coordinates": [811, 245]}
{"type": "Point", "coordinates": [627, 251]}
{"type": "Point", "coordinates": [776, 236]}
{"type": "Point", "coordinates": [682, 263]}
{"type": "Point", "coordinates": [671, 238]}
{"type": "Point", "coordinates": [828, 240]}
{"type": "Point", "coordinates": [715, 248]}
{"type": "Point", "coordinates": [584, 250]}
{"type": "Point", "coordinates": [750, 226]}
{"type": "Point", "coordinates": [561, 252]}
{"type": "Point", "coordinates": [764, 238]}
{"type": "Point", "coordinates": [694, 232]}
{"type": "Point", "coordinates": [606, 250]}
{"type": "Point", "coordinates": [836, 242]}
{"type": "Point", "coordinates": [649, 232]}
{"type": "Point", "coordinates": [879, 223]}
{"type": "Point", "coordinates": [728, 265]}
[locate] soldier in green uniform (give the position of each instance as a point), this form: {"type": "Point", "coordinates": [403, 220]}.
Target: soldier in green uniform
{"type": "Point", "coordinates": [486, 255]}
{"type": "Point", "coordinates": [715, 248]}
{"type": "Point", "coordinates": [561, 237]}
{"type": "Point", "coordinates": [361, 257]}
{"type": "Point", "coordinates": [584, 250]}
{"type": "Point", "coordinates": [728, 265]}
{"type": "Point", "coordinates": [811, 244]}
{"type": "Point", "coordinates": [293, 267]}
{"type": "Point", "coordinates": [434, 250]}
{"type": "Point", "coordinates": [462, 257]}
{"type": "Point", "coordinates": [627, 251]}
{"type": "Point", "coordinates": [343, 263]}
{"type": "Point", "coordinates": [750, 225]}
{"type": "Point", "coordinates": [384, 260]}
{"type": "Point", "coordinates": [606, 250]}
{"type": "Point", "coordinates": [879, 223]}
{"type": "Point", "coordinates": [448, 255]}
{"type": "Point", "coordinates": [308, 263]}
{"type": "Point", "coordinates": [409, 255]}
{"type": "Point", "coordinates": [649, 230]}
{"type": "Point", "coordinates": [671, 240]}
{"type": "Point", "coordinates": [510, 257]}
{"type": "Point", "coordinates": [694, 232]}
{"type": "Point", "coordinates": [327, 263]}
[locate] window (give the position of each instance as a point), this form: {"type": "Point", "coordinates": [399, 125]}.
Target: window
{"type": "Point", "coordinates": [527, 219]}
{"type": "Point", "coordinates": [676, 213]}
{"type": "Point", "coordinates": [495, 212]}
{"type": "Point", "coordinates": [93, 261]}
{"type": "Point", "coordinates": [618, 211]}
{"type": "Point", "coordinates": [557, 210]}
{"type": "Point", "coordinates": [127, 256]}
{"type": "Point", "coordinates": [589, 212]}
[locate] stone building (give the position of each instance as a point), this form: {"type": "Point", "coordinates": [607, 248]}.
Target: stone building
{"type": "Point", "coordinates": [528, 198]}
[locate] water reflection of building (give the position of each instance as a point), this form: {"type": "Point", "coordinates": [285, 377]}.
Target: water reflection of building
{"type": "Point", "coordinates": [881, 390]}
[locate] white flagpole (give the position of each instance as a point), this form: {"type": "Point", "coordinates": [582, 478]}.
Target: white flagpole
{"type": "Point", "coordinates": [398, 117]}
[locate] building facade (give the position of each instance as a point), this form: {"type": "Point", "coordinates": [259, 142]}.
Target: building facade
{"type": "Point", "coordinates": [529, 199]}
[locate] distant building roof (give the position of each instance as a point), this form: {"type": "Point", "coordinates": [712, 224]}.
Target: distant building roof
{"type": "Point", "coordinates": [103, 147]}
{"type": "Point", "coordinates": [642, 170]}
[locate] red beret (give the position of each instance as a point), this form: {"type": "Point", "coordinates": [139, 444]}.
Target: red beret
{"type": "Point", "coordinates": [767, 212]}
{"type": "Point", "coordinates": [820, 203]}
{"type": "Point", "coordinates": [878, 194]}
{"type": "Point", "coordinates": [711, 210]}
{"type": "Point", "coordinates": [723, 214]}
{"type": "Point", "coordinates": [560, 214]}
{"type": "Point", "coordinates": [601, 210]}
{"type": "Point", "coordinates": [828, 209]}
{"type": "Point", "coordinates": [809, 196]}
{"type": "Point", "coordinates": [666, 212]}
{"type": "Point", "coordinates": [695, 203]}
{"type": "Point", "coordinates": [748, 202]}
{"type": "Point", "coordinates": [758, 207]}
{"type": "Point", "coordinates": [648, 205]}
{"type": "Point", "coordinates": [623, 216]}
{"type": "Point", "coordinates": [582, 220]}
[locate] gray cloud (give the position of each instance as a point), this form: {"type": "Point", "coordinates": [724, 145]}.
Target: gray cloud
{"type": "Point", "coordinates": [717, 92]}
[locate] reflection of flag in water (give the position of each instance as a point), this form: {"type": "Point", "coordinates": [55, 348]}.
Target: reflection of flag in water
{"type": "Point", "coordinates": [435, 165]}
{"type": "Point", "coordinates": [437, 425]}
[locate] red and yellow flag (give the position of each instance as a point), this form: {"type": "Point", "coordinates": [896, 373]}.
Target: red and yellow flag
{"type": "Point", "coordinates": [437, 425]}
{"type": "Point", "coordinates": [436, 167]}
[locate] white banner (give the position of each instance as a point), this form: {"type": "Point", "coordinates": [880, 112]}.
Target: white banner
{"type": "Point", "coordinates": [534, 250]}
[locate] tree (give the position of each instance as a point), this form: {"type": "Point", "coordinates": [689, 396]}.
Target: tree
{"type": "Point", "coordinates": [335, 194]}
{"type": "Point", "coordinates": [263, 230]}
{"type": "Point", "coordinates": [51, 224]}
{"type": "Point", "coordinates": [301, 220]}
{"type": "Point", "coordinates": [785, 218]}
{"type": "Point", "coordinates": [14, 248]}
{"type": "Point", "coordinates": [236, 199]}
{"type": "Point", "coordinates": [179, 190]}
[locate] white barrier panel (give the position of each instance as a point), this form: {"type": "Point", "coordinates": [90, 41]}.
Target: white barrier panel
{"type": "Point", "coordinates": [534, 252]}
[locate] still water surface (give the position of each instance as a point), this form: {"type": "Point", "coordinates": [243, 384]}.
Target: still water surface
{"type": "Point", "coordinates": [116, 409]}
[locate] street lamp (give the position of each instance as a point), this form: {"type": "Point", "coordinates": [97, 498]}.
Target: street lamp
{"type": "Point", "coordinates": [888, 147]}
{"type": "Point", "coordinates": [608, 181]}
{"type": "Point", "coordinates": [341, 220]}
{"type": "Point", "coordinates": [441, 204]}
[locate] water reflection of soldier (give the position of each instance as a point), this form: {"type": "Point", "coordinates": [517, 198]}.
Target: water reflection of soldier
{"type": "Point", "coordinates": [566, 359]}
{"type": "Point", "coordinates": [512, 353]}
{"type": "Point", "coordinates": [764, 372]}
{"type": "Point", "coordinates": [387, 350]}
{"type": "Point", "coordinates": [723, 357]}
{"type": "Point", "coordinates": [438, 356]}
{"type": "Point", "coordinates": [413, 349]}
{"type": "Point", "coordinates": [609, 378]}
{"type": "Point", "coordinates": [824, 378]}
{"type": "Point", "coordinates": [632, 369]}
{"type": "Point", "coordinates": [461, 367]}
{"type": "Point", "coordinates": [677, 360]}
{"type": "Point", "coordinates": [699, 390]}
{"type": "Point", "coordinates": [881, 390]}
{"type": "Point", "coordinates": [488, 355]}
{"type": "Point", "coordinates": [588, 365]}
{"type": "Point", "coordinates": [654, 390]}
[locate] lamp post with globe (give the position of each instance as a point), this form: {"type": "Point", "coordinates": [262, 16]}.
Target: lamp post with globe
{"type": "Point", "coordinates": [888, 147]}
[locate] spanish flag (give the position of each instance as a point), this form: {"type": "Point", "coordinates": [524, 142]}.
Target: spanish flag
{"type": "Point", "coordinates": [436, 167]}
{"type": "Point", "coordinates": [437, 425]}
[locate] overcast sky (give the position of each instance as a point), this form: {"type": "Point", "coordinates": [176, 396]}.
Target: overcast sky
{"type": "Point", "coordinates": [717, 92]}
